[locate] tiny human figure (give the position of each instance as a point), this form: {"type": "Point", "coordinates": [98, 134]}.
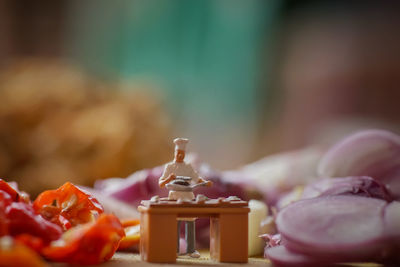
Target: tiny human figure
{"type": "Point", "coordinates": [183, 174]}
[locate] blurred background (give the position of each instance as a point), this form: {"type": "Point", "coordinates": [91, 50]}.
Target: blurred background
{"type": "Point", "coordinates": [94, 89]}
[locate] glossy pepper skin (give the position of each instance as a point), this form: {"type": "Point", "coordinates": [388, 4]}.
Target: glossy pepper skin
{"type": "Point", "coordinates": [17, 216]}
{"type": "Point", "coordinates": [5, 200]}
{"type": "Point", "coordinates": [15, 254]}
{"type": "Point", "coordinates": [68, 206]}
{"type": "Point", "coordinates": [22, 219]}
{"type": "Point", "coordinates": [90, 243]}
{"type": "Point", "coordinates": [23, 233]}
{"type": "Point", "coordinates": [65, 225]}
{"type": "Point", "coordinates": [132, 234]}
{"type": "Point", "coordinates": [14, 194]}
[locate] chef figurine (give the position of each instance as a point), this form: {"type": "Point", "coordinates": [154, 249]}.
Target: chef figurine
{"type": "Point", "coordinates": [178, 168]}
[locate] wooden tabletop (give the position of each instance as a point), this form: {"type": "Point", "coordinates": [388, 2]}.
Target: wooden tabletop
{"type": "Point", "coordinates": [133, 259]}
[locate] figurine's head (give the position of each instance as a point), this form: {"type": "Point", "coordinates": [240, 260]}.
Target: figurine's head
{"type": "Point", "coordinates": [179, 155]}
{"type": "Point", "coordinates": [180, 147]}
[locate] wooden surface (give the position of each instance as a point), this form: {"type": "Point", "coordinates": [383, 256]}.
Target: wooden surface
{"type": "Point", "coordinates": [133, 259]}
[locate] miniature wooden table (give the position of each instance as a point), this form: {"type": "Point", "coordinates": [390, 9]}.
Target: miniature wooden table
{"type": "Point", "coordinates": [228, 228]}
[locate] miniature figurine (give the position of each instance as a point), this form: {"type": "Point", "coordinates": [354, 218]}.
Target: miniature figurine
{"type": "Point", "coordinates": [180, 178]}
{"type": "Point", "coordinates": [160, 216]}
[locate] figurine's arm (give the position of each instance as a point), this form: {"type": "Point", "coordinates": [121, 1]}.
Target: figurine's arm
{"type": "Point", "coordinates": [166, 177]}
{"type": "Point", "coordinates": [208, 182]}
{"type": "Point", "coordinates": [195, 176]}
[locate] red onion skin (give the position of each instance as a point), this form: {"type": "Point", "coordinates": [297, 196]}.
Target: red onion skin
{"type": "Point", "coordinates": [353, 185]}
{"type": "Point", "coordinates": [319, 245]}
{"type": "Point", "coordinates": [374, 153]}
{"type": "Point", "coordinates": [281, 256]}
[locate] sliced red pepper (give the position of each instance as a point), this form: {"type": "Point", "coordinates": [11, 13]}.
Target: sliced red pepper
{"type": "Point", "coordinates": [130, 222]}
{"type": "Point", "coordinates": [68, 206]}
{"type": "Point", "coordinates": [15, 254]}
{"type": "Point", "coordinates": [5, 200]}
{"type": "Point", "coordinates": [14, 194]}
{"type": "Point", "coordinates": [33, 242]}
{"type": "Point", "coordinates": [132, 234]}
{"type": "Point", "coordinates": [90, 243]}
{"type": "Point", "coordinates": [22, 219]}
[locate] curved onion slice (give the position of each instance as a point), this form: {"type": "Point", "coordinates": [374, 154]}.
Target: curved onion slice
{"type": "Point", "coordinates": [392, 220]}
{"type": "Point", "coordinates": [374, 153]}
{"type": "Point", "coordinates": [343, 228]}
{"type": "Point", "coordinates": [353, 185]}
{"type": "Point", "coordinates": [280, 256]}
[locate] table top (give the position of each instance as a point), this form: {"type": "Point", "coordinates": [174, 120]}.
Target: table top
{"type": "Point", "coordinates": [219, 202]}
{"type": "Point", "coordinates": [195, 208]}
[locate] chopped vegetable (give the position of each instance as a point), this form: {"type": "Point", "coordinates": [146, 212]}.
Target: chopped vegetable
{"type": "Point", "coordinates": [281, 256]}
{"type": "Point", "coordinates": [349, 217]}
{"type": "Point", "coordinates": [68, 206]}
{"type": "Point", "coordinates": [258, 212]}
{"type": "Point", "coordinates": [23, 219]}
{"type": "Point", "coordinates": [91, 238]}
{"type": "Point", "coordinates": [374, 153]}
{"type": "Point", "coordinates": [90, 243]}
{"type": "Point", "coordinates": [132, 234]}
{"type": "Point", "coordinates": [338, 228]}
{"type": "Point", "coordinates": [5, 200]}
{"type": "Point", "coordinates": [354, 185]}
{"type": "Point", "coordinates": [13, 193]}
{"type": "Point", "coordinates": [112, 205]}
{"type": "Point", "coordinates": [34, 242]}
{"type": "Point", "coordinates": [271, 240]}
{"type": "Point", "coordinates": [14, 254]}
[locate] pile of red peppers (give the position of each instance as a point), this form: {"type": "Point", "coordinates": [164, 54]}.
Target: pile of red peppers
{"type": "Point", "coordinates": [63, 225]}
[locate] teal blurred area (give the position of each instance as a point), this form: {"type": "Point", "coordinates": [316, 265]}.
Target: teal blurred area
{"type": "Point", "coordinates": [203, 57]}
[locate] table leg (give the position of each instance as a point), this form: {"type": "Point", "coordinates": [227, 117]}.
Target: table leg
{"type": "Point", "coordinates": [229, 238]}
{"type": "Point", "coordinates": [158, 235]}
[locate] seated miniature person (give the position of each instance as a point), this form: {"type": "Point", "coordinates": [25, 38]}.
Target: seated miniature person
{"type": "Point", "coordinates": [176, 170]}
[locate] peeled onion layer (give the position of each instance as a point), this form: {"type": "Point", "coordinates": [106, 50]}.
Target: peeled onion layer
{"type": "Point", "coordinates": [340, 228]}
{"type": "Point", "coordinates": [352, 185]}
{"type": "Point", "coordinates": [280, 256]}
{"type": "Point", "coordinates": [374, 153]}
{"type": "Point", "coordinates": [392, 221]}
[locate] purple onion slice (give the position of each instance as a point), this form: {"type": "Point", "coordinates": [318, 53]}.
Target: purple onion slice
{"type": "Point", "coordinates": [343, 228]}
{"type": "Point", "coordinates": [280, 256]}
{"type": "Point", "coordinates": [353, 185]}
{"type": "Point", "coordinates": [374, 153]}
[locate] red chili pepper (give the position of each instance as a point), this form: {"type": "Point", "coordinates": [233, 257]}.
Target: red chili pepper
{"type": "Point", "coordinates": [5, 200]}
{"type": "Point", "coordinates": [4, 186]}
{"type": "Point", "coordinates": [15, 254]}
{"type": "Point", "coordinates": [132, 234]}
{"type": "Point", "coordinates": [92, 237]}
{"type": "Point", "coordinates": [33, 242]}
{"type": "Point", "coordinates": [68, 206]}
{"type": "Point", "coordinates": [90, 243]}
{"type": "Point", "coordinates": [22, 219]}
{"type": "Point", "coordinates": [15, 195]}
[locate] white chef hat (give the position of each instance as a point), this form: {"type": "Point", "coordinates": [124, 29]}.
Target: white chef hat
{"type": "Point", "coordinates": [180, 143]}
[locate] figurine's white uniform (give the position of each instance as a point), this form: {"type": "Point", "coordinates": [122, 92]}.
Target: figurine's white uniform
{"type": "Point", "coordinates": [180, 169]}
